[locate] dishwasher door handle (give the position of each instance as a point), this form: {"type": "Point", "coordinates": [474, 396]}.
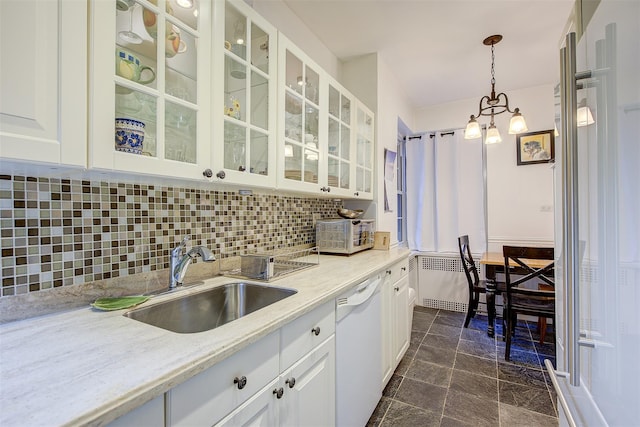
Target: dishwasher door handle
{"type": "Point", "coordinates": [362, 295]}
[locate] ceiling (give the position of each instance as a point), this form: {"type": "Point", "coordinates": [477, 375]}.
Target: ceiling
{"type": "Point", "coordinates": [435, 46]}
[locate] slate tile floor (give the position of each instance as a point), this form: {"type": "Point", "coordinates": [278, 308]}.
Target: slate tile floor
{"type": "Point", "coordinates": [453, 377]}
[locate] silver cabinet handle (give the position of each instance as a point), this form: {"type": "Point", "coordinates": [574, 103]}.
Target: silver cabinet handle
{"type": "Point", "coordinates": [553, 374]}
{"type": "Point", "coordinates": [278, 392]}
{"type": "Point", "coordinates": [569, 173]}
{"type": "Point", "coordinates": [291, 382]}
{"type": "Point", "coordinates": [316, 331]}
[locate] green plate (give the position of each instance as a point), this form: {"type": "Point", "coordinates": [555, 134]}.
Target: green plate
{"type": "Point", "coordinates": [117, 303]}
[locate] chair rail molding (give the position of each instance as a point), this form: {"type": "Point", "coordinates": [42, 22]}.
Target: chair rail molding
{"type": "Point", "coordinates": [496, 243]}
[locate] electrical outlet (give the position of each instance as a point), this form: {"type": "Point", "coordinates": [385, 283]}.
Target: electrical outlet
{"type": "Point", "coordinates": [546, 208]}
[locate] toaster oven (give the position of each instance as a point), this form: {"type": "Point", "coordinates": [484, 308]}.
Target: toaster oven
{"type": "Point", "coordinates": [344, 236]}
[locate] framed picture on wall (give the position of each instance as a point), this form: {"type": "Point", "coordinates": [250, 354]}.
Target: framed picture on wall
{"type": "Point", "coordinates": [535, 147]}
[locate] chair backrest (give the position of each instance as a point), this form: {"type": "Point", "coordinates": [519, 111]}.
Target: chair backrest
{"type": "Point", "coordinates": [529, 263]}
{"type": "Point", "coordinates": [468, 265]}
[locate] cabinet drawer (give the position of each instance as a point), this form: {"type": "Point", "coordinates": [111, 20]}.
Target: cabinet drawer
{"type": "Point", "coordinates": [397, 271]}
{"type": "Point", "coordinates": [208, 397]}
{"type": "Point", "coordinates": [299, 337]}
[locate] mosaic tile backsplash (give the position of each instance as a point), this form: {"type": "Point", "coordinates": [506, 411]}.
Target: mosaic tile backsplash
{"type": "Point", "coordinates": [59, 232]}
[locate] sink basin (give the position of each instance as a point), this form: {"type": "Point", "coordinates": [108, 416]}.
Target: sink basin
{"type": "Point", "coordinates": [209, 309]}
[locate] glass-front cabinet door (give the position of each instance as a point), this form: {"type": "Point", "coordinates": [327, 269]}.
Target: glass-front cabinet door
{"type": "Point", "coordinates": [302, 109]}
{"type": "Point", "coordinates": [339, 140]}
{"type": "Point", "coordinates": [244, 98]}
{"type": "Point", "coordinates": [150, 86]}
{"type": "Point", "coordinates": [365, 143]}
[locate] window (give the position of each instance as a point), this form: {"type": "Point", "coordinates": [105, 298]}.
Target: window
{"type": "Point", "coordinates": [401, 192]}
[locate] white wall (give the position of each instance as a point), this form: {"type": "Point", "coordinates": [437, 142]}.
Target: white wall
{"type": "Point", "coordinates": [516, 195]}
{"type": "Point", "coordinates": [288, 23]}
{"type": "Point", "coordinates": [392, 104]}
{"type": "Point", "coordinates": [372, 81]}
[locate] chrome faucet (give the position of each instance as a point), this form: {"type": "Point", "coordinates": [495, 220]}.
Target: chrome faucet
{"type": "Point", "coordinates": [179, 263]}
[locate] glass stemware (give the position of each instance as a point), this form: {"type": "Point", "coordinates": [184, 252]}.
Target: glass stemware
{"type": "Point", "coordinates": [128, 35]}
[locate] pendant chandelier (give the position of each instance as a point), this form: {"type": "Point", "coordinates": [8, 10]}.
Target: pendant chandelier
{"type": "Point", "coordinates": [492, 105]}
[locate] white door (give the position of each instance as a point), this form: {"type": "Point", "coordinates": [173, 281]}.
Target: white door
{"type": "Point", "coordinates": [400, 318]}
{"type": "Point", "coordinates": [601, 350]}
{"type": "Point", "coordinates": [44, 55]}
{"type": "Point", "coordinates": [309, 389]}
{"type": "Point", "coordinates": [260, 410]}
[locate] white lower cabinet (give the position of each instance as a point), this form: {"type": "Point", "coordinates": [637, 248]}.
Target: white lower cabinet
{"type": "Point", "coordinates": [303, 395]}
{"type": "Point", "coordinates": [401, 333]}
{"type": "Point", "coordinates": [395, 318]}
{"type": "Point", "coordinates": [286, 378]}
{"type": "Point", "coordinates": [309, 391]}
{"type": "Point", "coordinates": [260, 410]}
{"type": "Point", "coordinates": [209, 396]}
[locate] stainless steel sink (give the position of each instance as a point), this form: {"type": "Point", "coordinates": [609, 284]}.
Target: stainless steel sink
{"type": "Point", "coordinates": [209, 309]}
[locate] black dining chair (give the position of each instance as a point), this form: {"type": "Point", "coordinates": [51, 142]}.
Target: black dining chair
{"type": "Point", "coordinates": [477, 286]}
{"type": "Point", "coordinates": [528, 263]}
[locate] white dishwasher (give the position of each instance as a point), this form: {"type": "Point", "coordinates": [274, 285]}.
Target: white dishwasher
{"type": "Point", "coordinates": [358, 353]}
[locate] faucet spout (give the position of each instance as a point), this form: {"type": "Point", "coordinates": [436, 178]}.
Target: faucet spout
{"type": "Point", "coordinates": [178, 263]}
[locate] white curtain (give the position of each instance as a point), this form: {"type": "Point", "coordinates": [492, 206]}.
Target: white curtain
{"type": "Point", "coordinates": [445, 192]}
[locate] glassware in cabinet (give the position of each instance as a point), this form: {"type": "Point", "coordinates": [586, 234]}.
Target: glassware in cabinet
{"type": "Point", "coordinates": [247, 154]}
{"type": "Point", "coordinates": [339, 157]}
{"type": "Point", "coordinates": [160, 50]}
{"type": "Point", "coordinates": [364, 152]}
{"type": "Point", "coordinates": [301, 121]}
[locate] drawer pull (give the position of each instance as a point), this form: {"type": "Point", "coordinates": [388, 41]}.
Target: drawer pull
{"type": "Point", "coordinates": [278, 392]}
{"type": "Point", "coordinates": [404, 269]}
{"type": "Point", "coordinates": [242, 381]}
{"type": "Point", "coordinates": [396, 289]}
{"type": "Point", "coordinates": [388, 272]}
{"type": "Point", "coordinates": [316, 330]}
{"type": "Point", "coordinates": [291, 382]}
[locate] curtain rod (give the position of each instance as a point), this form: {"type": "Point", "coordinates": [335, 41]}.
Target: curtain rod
{"type": "Point", "coordinates": [432, 135]}
{"type": "Point", "coordinates": [443, 132]}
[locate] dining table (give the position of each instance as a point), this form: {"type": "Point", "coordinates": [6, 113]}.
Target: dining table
{"type": "Point", "coordinates": [493, 264]}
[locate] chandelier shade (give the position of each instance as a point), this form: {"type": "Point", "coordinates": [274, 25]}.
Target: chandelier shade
{"type": "Point", "coordinates": [584, 117]}
{"type": "Point", "coordinates": [493, 104]}
{"type": "Point", "coordinates": [493, 135]}
{"type": "Point", "coordinates": [473, 129]}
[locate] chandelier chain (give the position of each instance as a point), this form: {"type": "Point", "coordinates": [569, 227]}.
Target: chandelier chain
{"type": "Point", "coordinates": [493, 72]}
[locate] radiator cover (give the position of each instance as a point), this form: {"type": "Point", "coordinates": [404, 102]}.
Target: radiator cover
{"type": "Point", "coordinates": [442, 283]}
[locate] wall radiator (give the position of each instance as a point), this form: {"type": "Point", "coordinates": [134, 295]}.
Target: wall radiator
{"type": "Point", "coordinates": [441, 283]}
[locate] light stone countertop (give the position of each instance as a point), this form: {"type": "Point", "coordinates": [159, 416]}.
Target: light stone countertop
{"type": "Point", "coordinates": [87, 367]}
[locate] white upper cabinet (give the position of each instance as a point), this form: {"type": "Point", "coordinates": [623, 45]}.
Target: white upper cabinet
{"type": "Point", "coordinates": [43, 74]}
{"type": "Point", "coordinates": [364, 153]}
{"type": "Point", "coordinates": [340, 134]}
{"type": "Point", "coordinates": [302, 106]}
{"type": "Point", "coordinates": [150, 85]}
{"type": "Point", "coordinates": [244, 100]}
{"type": "Point", "coordinates": [325, 136]}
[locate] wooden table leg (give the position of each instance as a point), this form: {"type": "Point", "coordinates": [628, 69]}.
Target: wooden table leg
{"type": "Point", "coordinates": [491, 308]}
{"type": "Point", "coordinates": [490, 273]}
